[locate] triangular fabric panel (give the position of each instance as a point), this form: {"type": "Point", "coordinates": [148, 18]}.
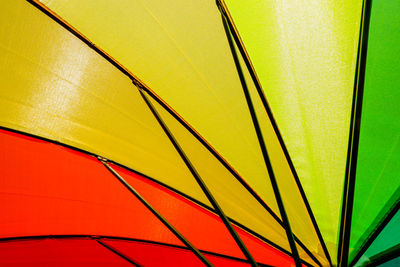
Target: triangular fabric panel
{"type": "Point", "coordinates": [58, 252]}
{"type": "Point", "coordinates": [299, 218]}
{"type": "Point", "coordinates": [203, 229]}
{"type": "Point", "coordinates": [55, 86]}
{"type": "Point", "coordinates": [43, 173]}
{"type": "Point", "coordinates": [391, 263]}
{"type": "Point", "coordinates": [154, 255]}
{"type": "Point", "coordinates": [52, 93]}
{"type": "Point", "coordinates": [377, 184]}
{"type": "Point", "coordinates": [387, 239]}
{"type": "Point", "coordinates": [221, 182]}
{"type": "Point", "coordinates": [86, 251]}
{"type": "Point", "coordinates": [52, 190]}
{"type": "Point", "coordinates": [305, 55]}
{"type": "Point", "coordinates": [164, 46]}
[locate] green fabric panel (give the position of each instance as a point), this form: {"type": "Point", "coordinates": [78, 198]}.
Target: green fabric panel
{"type": "Point", "coordinates": [377, 177]}
{"type": "Point", "coordinates": [389, 237]}
{"type": "Point", "coordinates": [392, 263]}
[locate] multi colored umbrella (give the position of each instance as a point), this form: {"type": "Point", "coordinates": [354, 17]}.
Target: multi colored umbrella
{"type": "Point", "coordinates": [191, 133]}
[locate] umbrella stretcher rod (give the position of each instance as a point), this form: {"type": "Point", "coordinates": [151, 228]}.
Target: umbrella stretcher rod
{"type": "Point", "coordinates": [198, 179]}
{"type": "Point", "coordinates": [156, 213]}
{"type": "Point", "coordinates": [262, 144]}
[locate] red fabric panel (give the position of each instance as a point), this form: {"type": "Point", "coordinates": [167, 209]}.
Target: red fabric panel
{"type": "Point", "coordinates": [46, 189]}
{"type": "Point", "coordinates": [87, 252]}
{"type": "Point", "coordinates": [155, 255]}
{"type": "Point", "coordinates": [52, 190]}
{"type": "Point", "coordinates": [204, 229]}
{"type": "Point", "coordinates": [58, 252]}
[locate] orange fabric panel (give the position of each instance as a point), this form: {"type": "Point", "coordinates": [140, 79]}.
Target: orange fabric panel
{"type": "Point", "coordinates": [52, 190]}
{"type": "Point", "coordinates": [47, 189]}
{"type": "Point", "coordinates": [204, 229]}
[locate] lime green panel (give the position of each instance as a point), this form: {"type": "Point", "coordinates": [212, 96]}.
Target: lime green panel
{"type": "Point", "coordinates": [54, 86]}
{"type": "Point", "coordinates": [378, 166]}
{"type": "Point", "coordinates": [304, 53]}
{"type": "Point", "coordinates": [295, 208]}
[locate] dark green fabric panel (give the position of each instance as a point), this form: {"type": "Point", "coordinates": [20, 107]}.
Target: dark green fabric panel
{"type": "Point", "coordinates": [392, 263]}
{"type": "Point", "coordinates": [378, 166]}
{"type": "Point", "coordinates": [388, 238]}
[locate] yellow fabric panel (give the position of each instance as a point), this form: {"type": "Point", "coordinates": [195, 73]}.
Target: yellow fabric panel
{"type": "Point", "coordinates": [54, 86]}
{"type": "Point", "coordinates": [304, 53]}
{"type": "Point", "coordinates": [246, 210]}
{"type": "Point", "coordinates": [180, 51]}
{"type": "Point", "coordinates": [222, 183]}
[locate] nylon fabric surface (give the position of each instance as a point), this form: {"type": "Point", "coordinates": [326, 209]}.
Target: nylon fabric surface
{"type": "Point", "coordinates": [51, 196]}
{"type": "Point", "coordinates": [377, 186]}
{"type": "Point", "coordinates": [52, 93]}
{"type": "Point", "coordinates": [58, 252]}
{"type": "Point", "coordinates": [215, 175]}
{"type": "Point", "coordinates": [388, 238]}
{"type": "Point", "coordinates": [203, 88]}
{"type": "Point", "coordinates": [203, 229]}
{"type": "Point", "coordinates": [66, 96]}
{"type": "Point", "coordinates": [299, 219]}
{"type": "Point", "coordinates": [54, 86]}
{"type": "Point", "coordinates": [163, 45]}
{"type": "Point", "coordinates": [46, 196]}
{"type": "Point", "coordinates": [304, 53]}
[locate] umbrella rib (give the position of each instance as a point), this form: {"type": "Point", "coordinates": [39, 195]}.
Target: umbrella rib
{"type": "Point", "coordinates": [376, 233]}
{"type": "Point", "coordinates": [199, 180]}
{"type": "Point", "coordinates": [268, 110]}
{"type": "Point", "coordinates": [245, 228]}
{"type": "Point", "coordinates": [262, 144]}
{"type": "Point", "coordinates": [352, 152]}
{"type": "Point", "coordinates": [136, 80]}
{"type": "Point", "coordinates": [115, 251]}
{"type": "Point", "coordinates": [156, 213]}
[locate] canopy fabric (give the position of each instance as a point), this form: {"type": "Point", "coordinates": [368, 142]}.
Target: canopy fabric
{"type": "Point", "coordinates": [67, 110]}
{"type": "Point", "coordinates": [169, 56]}
{"type": "Point", "coordinates": [184, 133]}
{"type": "Point", "coordinates": [305, 56]}
{"type": "Point", "coordinates": [73, 194]}
{"type": "Point", "coordinates": [80, 251]}
{"type": "Point", "coordinates": [377, 188]}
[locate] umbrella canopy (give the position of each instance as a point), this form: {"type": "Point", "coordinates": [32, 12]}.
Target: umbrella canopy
{"type": "Point", "coordinates": [185, 133]}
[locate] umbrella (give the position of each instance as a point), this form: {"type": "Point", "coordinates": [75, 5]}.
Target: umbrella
{"type": "Point", "coordinates": [192, 133]}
